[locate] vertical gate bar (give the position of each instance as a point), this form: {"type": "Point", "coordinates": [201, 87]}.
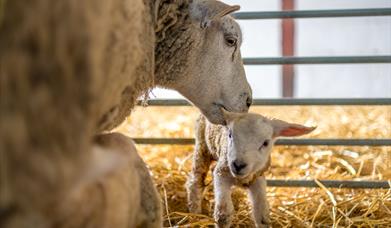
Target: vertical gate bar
{"type": "Point", "coordinates": [288, 49]}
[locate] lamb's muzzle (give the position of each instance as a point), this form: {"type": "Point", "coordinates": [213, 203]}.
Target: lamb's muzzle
{"type": "Point", "coordinates": [237, 166]}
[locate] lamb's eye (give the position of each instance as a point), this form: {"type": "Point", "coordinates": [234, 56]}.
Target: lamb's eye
{"type": "Point", "coordinates": [230, 134]}
{"type": "Point", "coordinates": [230, 41]}
{"type": "Point", "coordinates": [264, 144]}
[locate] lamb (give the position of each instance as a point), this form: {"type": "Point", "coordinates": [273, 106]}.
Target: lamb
{"type": "Point", "coordinates": [242, 150]}
{"type": "Point", "coordinates": [72, 69]}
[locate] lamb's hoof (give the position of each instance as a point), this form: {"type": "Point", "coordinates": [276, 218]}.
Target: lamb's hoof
{"type": "Point", "coordinates": [264, 224]}
{"type": "Point", "coordinates": [223, 221]}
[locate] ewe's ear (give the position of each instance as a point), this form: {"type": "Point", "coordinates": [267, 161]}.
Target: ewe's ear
{"type": "Point", "coordinates": [229, 117]}
{"type": "Point", "coordinates": [282, 128]}
{"type": "Point", "coordinates": [206, 11]}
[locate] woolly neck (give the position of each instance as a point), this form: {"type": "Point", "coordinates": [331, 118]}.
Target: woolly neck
{"type": "Point", "coordinates": [172, 40]}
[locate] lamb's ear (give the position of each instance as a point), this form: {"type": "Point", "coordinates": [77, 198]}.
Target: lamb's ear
{"type": "Point", "coordinates": [230, 116]}
{"type": "Point", "coordinates": [206, 11]}
{"type": "Point", "coordinates": [282, 128]}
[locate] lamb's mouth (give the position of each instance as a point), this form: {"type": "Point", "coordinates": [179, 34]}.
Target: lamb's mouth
{"type": "Point", "coordinates": [239, 176]}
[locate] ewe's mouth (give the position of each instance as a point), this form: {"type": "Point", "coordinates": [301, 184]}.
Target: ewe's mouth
{"type": "Point", "coordinates": [221, 106]}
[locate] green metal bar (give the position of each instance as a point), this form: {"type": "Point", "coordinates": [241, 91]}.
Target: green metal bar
{"type": "Point", "coordinates": [324, 101]}
{"type": "Point", "coordinates": [335, 142]}
{"type": "Point", "coordinates": [161, 141]}
{"type": "Point", "coordinates": [318, 60]}
{"type": "Point", "coordinates": [2, 10]}
{"type": "Point", "coordinates": [285, 142]}
{"type": "Point", "coordinates": [313, 13]}
{"type": "Point", "coordinates": [290, 102]}
{"type": "Point", "coordinates": [330, 184]}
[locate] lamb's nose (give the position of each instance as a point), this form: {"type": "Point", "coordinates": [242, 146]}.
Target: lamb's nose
{"type": "Point", "coordinates": [238, 166]}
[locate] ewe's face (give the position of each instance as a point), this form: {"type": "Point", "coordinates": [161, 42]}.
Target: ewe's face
{"type": "Point", "coordinates": [216, 68]}
{"type": "Point", "coordinates": [250, 144]}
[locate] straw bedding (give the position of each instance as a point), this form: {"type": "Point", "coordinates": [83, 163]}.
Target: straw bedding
{"type": "Point", "coordinates": [290, 207]}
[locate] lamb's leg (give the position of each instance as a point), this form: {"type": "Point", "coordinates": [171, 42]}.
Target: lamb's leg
{"type": "Point", "coordinates": [223, 203]}
{"type": "Point", "coordinates": [195, 183]}
{"type": "Point", "coordinates": [259, 202]}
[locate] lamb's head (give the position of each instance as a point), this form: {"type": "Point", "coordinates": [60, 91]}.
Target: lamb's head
{"type": "Point", "coordinates": [251, 138]}
{"type": "Point", "coordinates": [214, 76]}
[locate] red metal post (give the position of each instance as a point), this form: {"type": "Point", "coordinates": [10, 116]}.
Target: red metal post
{"type": "Point", "coordinates": [288, 49]}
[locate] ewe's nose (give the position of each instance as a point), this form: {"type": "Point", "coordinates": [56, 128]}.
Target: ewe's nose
{"type": "Point", "coordinates": [249, 101]}
{"type": "Point", "coordinates": [238, 166]}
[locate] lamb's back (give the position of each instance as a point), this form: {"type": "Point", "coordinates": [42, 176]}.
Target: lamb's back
{"type": "Point", "coordinates": [214, 136]}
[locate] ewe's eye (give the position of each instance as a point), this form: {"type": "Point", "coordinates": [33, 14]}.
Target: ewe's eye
{"type": "Point", "coordinates": [230, 41]}
{"type": "Point", "coordinates": [230, 134]}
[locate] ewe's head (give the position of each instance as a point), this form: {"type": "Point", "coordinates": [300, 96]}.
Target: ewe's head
{"type": "Point", "coordinates": [251, 138]}
{"type": "Point", "coordinates": [215, 75]}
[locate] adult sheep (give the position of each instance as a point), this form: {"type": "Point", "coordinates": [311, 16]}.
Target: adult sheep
{"type": "Point", "coordinates": [70, 69]}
